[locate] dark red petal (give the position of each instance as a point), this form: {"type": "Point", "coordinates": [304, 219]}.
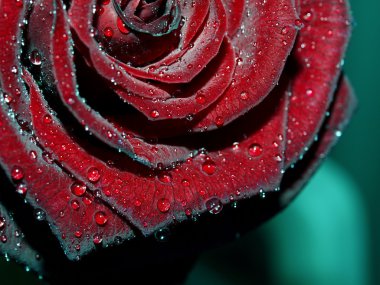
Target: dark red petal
{"type": "Point", "coordinates": [62, 66]}
{"type": "Point", "coordinates": [234, 11]}
{"type": "Point", "coordinates": [11, 17]}
{"type": "Point", "coordinates": [204, 90]}
{"type": "Point", "coordinates": [263, 43]}
{"type": "Point", "coordinates": [341, 111]}
{"type": "Point", "coordinates": [81, 14]}
{"type": "Point", "coordinates": [70, 217]}
{"type": "Point", "coordinates": [149, 200]}
{"type": "Point", "coordinates": [204, 48]}
{"type": "Point", "coordinates": [14, 245]}
{"type": "Point", "coordinates": [315, 68]}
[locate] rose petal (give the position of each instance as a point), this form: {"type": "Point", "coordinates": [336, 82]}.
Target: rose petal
{"type": "Point", "coordinates": [341, 111]}
{"type": "Point", "coordinates": [14, 245]}
{"type": "Point", "coordinates": [147, 198]}
{"type": "Point", "coordinates": [205, 48]}
{"type": "Point", "coordinates": [62, 66]}
{"type": "Point", "coordinates": [315, 68]}
{"type": "Point", "coordinates": [262, 48]}
{"type": "Point", "coordinates": [204, 90]}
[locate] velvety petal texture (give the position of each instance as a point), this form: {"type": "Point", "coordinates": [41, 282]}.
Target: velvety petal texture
{"type": "Point", "coordinates": [126, 119]}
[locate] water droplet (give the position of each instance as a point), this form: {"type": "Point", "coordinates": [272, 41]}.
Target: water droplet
{"type": "Point", "coordinates": [19, 3]}
{"type": "Point", "coordinates": [97, 239]}
{"type": "Point", "coordinates": [21, 189]}
{"type": "Point", "coordinates": [75, 205]}
{"type": "Point", "coordinates": [162, 235]}
{"type": "Point", "coordinates": [47, 119]}
{"type": "Point", "coordinates": [121, 26]}
{"type": "Point", "coordinates": [200, 99]}
{"type": "Point", "coordinates": [309, 92]}
{"type": "Point", "coordinates": [209, 167]}
{"type": "Point", "coordinates": [93, 174]}
{"type": "Point", "coordinates": [137, 203]}
{"type": "Point", "coordinates": [101, 218]}
{"type": "Point", "coordinates": [244, 95]}
{"type": "Point", "coordinates": [154, 114]}
{"type": "Point", "coordinates": [214, 206]}
{"type": "Point", "coordinates": [47, 157]}
{"type": "Point", "coordinates": [219, 121]}
{"type": "Point", "coordinates": [3, 238]}
{"type": "Point", "coordinates": [165, 177]}
{"type": "Point", "coordinates": [188, 212]}
{"type": "Point", "coordinates": [78, 234]}
{"type": "Point", "coordinates": [40, 215]}
{"type": "Point", "coordinates": [17, 173]}
{"type": "Point", "coordinates": [14, 69]}
{"type": "Point", "coordinates": [35, 57]}
{"type": "Point", "coordinates": [2, 223]}
{"type": "Point", "coordinates": [163, 205]}
{"type": "Point", "coordinates": [78, 188]}
{"type": "Point", "coordinates": [307, 16]}
{"type": "Point", "coordinates": [33, 154]}
{"type": "Point", "coordinates": [255, 150]}
{"type": "Point", "coordinates": [108, 32]}
{"type": "Point", "coordinates": [298, 23]}
{"type": "Point", "coordinates": [285, 30]}
{"type": "Point", "coordinates": [185, 182]}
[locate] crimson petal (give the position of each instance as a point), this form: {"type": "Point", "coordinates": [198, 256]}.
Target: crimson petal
{"type": "Point", "coordinates": [149, 200]}
{"type": "Point", "coordinates": [62, 64]}
{"type": "Point", "coordinates": [341, 111]}
{"type": "Point", "coordinates": [315, 68]}
{"type": "Point", "coordinates": [14, 245]}
{"type": "Point", "coordinates": [262, 48]}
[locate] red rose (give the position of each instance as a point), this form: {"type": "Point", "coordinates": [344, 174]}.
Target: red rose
{"type": "Point", "coordinates": [125, 118]}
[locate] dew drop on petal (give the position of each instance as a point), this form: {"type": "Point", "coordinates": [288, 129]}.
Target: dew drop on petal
{"type": "Point", "coordinates": [93, 174]}
{"type": "Point", "coordinates": [21, 189]}
{"type": "Point", "coordinates": [17, 173]}
{"type": "Point", "coordinates": [185, 182]}
{"type": "Point", "coordinates": [40, 215]}
{"type": "Point", "coordinates": [108, 32]}
{"type": "Point", "coordinates": [35, 57]}
{"type": "Point", "coordinates": [75, 205]}
{"type": "Point", "coordinates": [209, 167]}
{"type": "Point", "coordinates": [3, 238]}
{"type": "Point", "coordinates": [244, 95]}
{"type": "Point", "coordinates": [154, 114]}
{"type": "Point", "coordinates": [219, 121]}
{"type": "Point", "coordinates": [163, 205]}
{"type": "Point", "coordinates": [2, 223]}
{"type": "Point", "coordinates": [121, 26]}
{"type": "Point", "coordinates": [78, 234]}
{"type": "Point", "coordinates": [214, 206]}
{"type": "Point", "coordinates": [78, 189]}
{"type": "Point", "coordinates": [165, 177]}
{"type": "Point", "coordinates": [97, 239]}
{"type": "Point", "coordinates": [47, 119]}
{"type": "Point", "coordinates": [255, 150]}
{"type": "Point", "coordinates": [101, 218]}
{"type": "Point", "coordinates": [200, 99]}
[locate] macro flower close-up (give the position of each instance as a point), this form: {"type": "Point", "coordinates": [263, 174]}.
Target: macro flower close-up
{"type": "Point", "coordinates": [137, 133]}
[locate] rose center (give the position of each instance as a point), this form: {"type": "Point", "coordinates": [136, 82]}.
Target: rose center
{"type": "Point", "coordinates": [138, 32]}
{"type": "Point", "coordinates": [155, 18]}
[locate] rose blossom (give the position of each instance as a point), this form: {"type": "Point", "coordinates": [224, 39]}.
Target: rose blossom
{"type": "Point", "coordinates": [122, 120]}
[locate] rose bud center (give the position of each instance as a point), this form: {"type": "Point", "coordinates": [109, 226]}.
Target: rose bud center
{"type": "Point", "coordinates": [128, 29]}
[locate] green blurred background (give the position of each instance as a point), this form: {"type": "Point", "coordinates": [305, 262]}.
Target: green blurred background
{"type": "Point", "coordinates": [331, 233]}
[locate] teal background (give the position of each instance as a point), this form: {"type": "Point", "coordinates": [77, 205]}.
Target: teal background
{"type": "Point", "coordinates": [331, 233]}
